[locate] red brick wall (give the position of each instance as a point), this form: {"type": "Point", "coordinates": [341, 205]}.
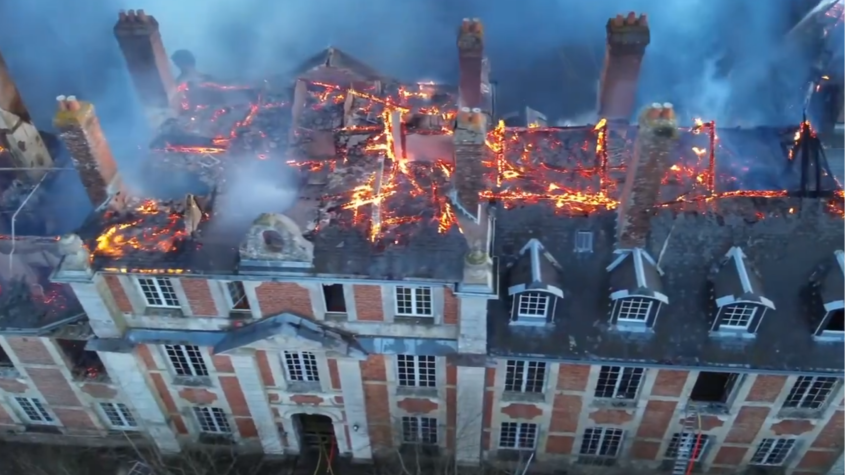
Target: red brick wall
{"type": "Point", "coordinates": [334, 375]}
{"type": "Point", "coordinates": [30, 350]}
{"type": "Point", "coordinates": [222, 363]}
{"type": "Point", "coordinates": [830, 437]}
{"type": "Point", "coordinates": [368, 306]}
{"type": "Point", "coordinates": [565, 413]}
{"type": "Point", "coordinates": [656, 419]}
{"type": "Point", "coordinates": [669, 383]}
{"type": "Point", "coordinates": [374, 374]}
{"type": "Point", "coordinates": [167, 401]}
{"type": "Point", "coordinates": [118, 294]}
{"type": "Point", "coordinates": [53, 386]}
{"type": "Point", "coordinates": [264, 368]}
{"type": "Point", "coordinates": [278, 297]}
{"type": "Point", "coordinates": [75, 418]}
{"type": "Point", "coordinates": [5, 418]}
{"type": "Point", "coordinates": [237, 403]}
{"type": "Point", "coordinates": [198, 293]}
{"type": "Point", "coordinates": [573, 377]}
{"type": "Point", "coordinates": [747, 423]}
{"type": "Point", "coordinates": [766, 388]}
{"type": "Point", "coordinates": [450, 307]}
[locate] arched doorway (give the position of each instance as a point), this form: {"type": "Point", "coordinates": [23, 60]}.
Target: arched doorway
{"type": "Point", "coordinates": [315, 432]}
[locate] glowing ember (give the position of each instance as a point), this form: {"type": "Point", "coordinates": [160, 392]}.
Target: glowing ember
{"type": "Point", "coordinates": [142, 233]}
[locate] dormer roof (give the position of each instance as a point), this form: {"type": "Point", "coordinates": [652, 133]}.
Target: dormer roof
{"type": "Point", "coordinates": [635, 274]}
{"type": "Point", "coordinates": [737, 281]}
{"type": "Point", "coordinates": [535, 269]}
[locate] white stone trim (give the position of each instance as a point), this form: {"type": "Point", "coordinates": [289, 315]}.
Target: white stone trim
{"type": "Point", "coordinates": [472, 325]}
{"type": "Point", "coordinates": [469, 414]}
{"type": "Point", "coordinates": [334, 413]}
{"type": "Point", "coordinates": [318, 300]}
{"type": "Point", "coordinates": [397, 330]}
{"type": "Point", "coordinates": [101, 318]}
{"type": "Point", "coordinates": [388, 302]}
{"type": "Point", "coordinates": [354, 402]}
{"type": "Point", "coordinates": [62, 366]}
{"type": "Point", "coordinates": [249, 378]}
{"type": "Point", "coordinates": [805, 440]}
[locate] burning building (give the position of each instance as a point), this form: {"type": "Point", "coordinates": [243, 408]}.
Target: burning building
{"type": "Point", "coordinates": [347, 262]}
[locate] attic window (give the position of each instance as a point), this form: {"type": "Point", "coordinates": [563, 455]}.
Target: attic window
{"type": "Point", "coordinates": [836, 321]}
{"type": "Point", "coordinates": [831, 290]}
{"type": "Point", "coordinates": [738, 295]}
{"type": "Point", "coordinates": [634, 310]}
{"type": "Point", "coordinates": [532, 305]}
{"type": "Point", "coordinates": [273, 240]}
{"type": "Point", "coordinates": [534, 285]}
{"type": "Point", "coordinates": [636, 289]}
{"type": "Point", "coordinates": [738, 316]}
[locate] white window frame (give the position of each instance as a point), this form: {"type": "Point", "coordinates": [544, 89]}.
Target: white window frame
{"type": "Point", "coordinates": [218, 420]}
{"type": "Point", "coordinates": [604, 434]}
{"type": "Point", "coordinates": [521, 381]}
{"type": "Point", "coordinates": [123, 418]}
{"type": "Point", "coordinates": [673, 450]}
{"type": "Point", "coordinates": [156, 286]}
{"type": "Point", "coordinates": [797, 397]}
{"type": "Point", "coordinates": [772, 447]}
{"type": "Point", "coordinates": [741, 309]}
{"type": "Point", "coordinates": [415, 377]}
{"type": "Point", "coordinates": [638, 373]}
{"type": "Point", "coordinates": [197, 368]}
{"type": "Point", "coordinates": [421, 434]}
{"type": "Point", "coordinates": [519, 429]}
{"type": "Point", "coordinates": [230, 298]}
{"type": "Point", "coordinates": [39, 408]}
{"type": "Point", "coordinates": [416, 303]}
{"type": "Point", "coordinates": [538, 300]}
{"type": "Point", "coordinates": [300, 360]}
{"type": "Point", "coordinates": [583, 241]}
{"type": "Point", "coordinates": [625, 312]}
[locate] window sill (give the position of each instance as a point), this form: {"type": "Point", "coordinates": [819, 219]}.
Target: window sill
{"type": "Point", "coordinates": [216, 439]}
{"type": "Point", "coordinates": [83, 376]}
{"type": "Point", "coordinates": [42, 429]}
{"type": "Point", "coordinates": [799, 413]}
{"type": "Point", "coordinates": [163, 312]}
{"type": "Point", "coordinates": [411, 320]}
{"type": "Point", "coordinates": [192, 381]}
{"type": "Point", "coordinates": [603, 403]}
{"type": "Point", "coordinates": [710, 408]}
{"type": "Point", "coordinates": [516, 396]}
{"type": "Point", "coordinates": [336, 316]}
{"type": "Point", "coordinates": [596, 461]}
{"type": "Point", "coordinates": [240, 315]}
{"type": "Point", "coordinates": [304, 387]}
{"type": "Point", "coordinates": [9, 372]}
{"type": "Point", "coordinates": [415, 391]}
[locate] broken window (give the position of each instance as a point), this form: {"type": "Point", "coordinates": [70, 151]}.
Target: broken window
{"type": "Point", "coordinates": [416, 371]}
{"type": "Point", "coordinates": [301, 366]}
{"type": "Point", "coordinates": [600, 445]}
{"type": "Point", "coordinates": [836, 321]}
{"type": "Point", "coordinates": [5, 361]}
{"type": "Point", "coordinates": [118, 415]}
{"type": "Point", "coordinates": [186, 360]}
{"type": "Point", "coordinates": [413, 301]}
{"type": "Point", "coordinates": [810, 392]}
{"type": "Point", "coordinates": [738, 316]}
{"type": "Point", "coordinates": [713, 387]}
{"type": "Point", "coordinates": [518, 435]}
{"type": "Point", "coordinates": [634, 309]}
{"type": "Point", "coordinates": [525, 376]}
{"type": "Point", "coordinates": [237, 296]}
{"type": "Point", "coordinates": [532, 305]}
{"type": "Point", "coordinates": [616, 382]}
{"type": "Point", "coordinates": [419, 430]}
{"type": "Point", "coordinates": [334, 299]}
{"type": "Point", "coordinates": [212, 420]}
{"type": "Point", "coordinates": [84, 365]}
{"type": "Point", "coordinates": [773, 452]}
{"type": "Point", "coordinates": [34, 410]}
{"type": "Point", "coordinates": [158, 292]}
{"type": "Point", "coordinates": [690, 446]}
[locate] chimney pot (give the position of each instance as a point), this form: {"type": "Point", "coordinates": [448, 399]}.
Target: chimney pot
{"type": "Point", "coordinates": [619, 20]}
{"type": "Point", "coordinates": [643, 20]}
{"type": "Point", "coordinates": [142, 17]}
{"type": "Point", "coordinates": [131, 15]}
{"type": "Point", "coordinates": [121, 15]}
{"type": "Point", "coordinates": [61, 101]}
{"type": "Point", "coordinates": [632, 18]}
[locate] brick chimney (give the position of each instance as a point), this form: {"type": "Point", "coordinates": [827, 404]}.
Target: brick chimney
{"type": "Point", "coordinates": [627, 39]}
{"type": "Point", "coordinates": [658, 131]}
{"type": "Point", "coordinates": [18, 133]}
{"type": "Point", "coordinates": [80, 130]}
{"type": "Point", "coordinates": [138, 36]}
{"type": "Point", "coordinates": [470, 150]}
{"type": "Point", "coordinates": [474, 68]}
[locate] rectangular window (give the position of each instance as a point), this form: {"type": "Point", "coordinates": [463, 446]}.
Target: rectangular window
{"type": "Point", "coordinates": [334, 298]}
{"type": "Point", "coordinates": [518, 435]}
{"type": "Point", "coordinates": [118, 415]}
{"type": "Point", "coordinates": [416, 371]}
{"type": "Point", "coordinates": [810, 392]}
{"type": "Point", "coordinates": [584, 241]}
{"type": "Point", "coordinates": [419, 430]}
{"type": "Point", "coordinates": [212, 420]}
{"type": "Point", "coordinates": [34, 410]}
{"type": "Point", "coordinates": [158, 292]}
{"type": "Point", "coordinates": [714, 387]}
{"type": "Point", "coordinates": [301, 366]}
{"type": "Point", "coordinates": [525, 376]}
{"type": "Point", "coordinates": [737, 316]}
{"type": "Point", "coordinates": [237, 296]}
{"type": "Point", "coordinates": [633, 309]}
{"type": "Point", "coordinates": [186, 360]}
{"type": "Point", "coordinates": [601, 442]}
{"type": "Point", "coordinates": [772, 452]}
{"type": "Point", "coordinates": [690, 446]}
{"type": "Point", "coordinates": [616, 382]}
{"type": "Point", "coordinates": [532, 305]}
{"type": "Point", "coordinates": [413, 301]}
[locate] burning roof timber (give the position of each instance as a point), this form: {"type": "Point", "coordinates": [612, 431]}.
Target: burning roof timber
{"type": "Point", "coordinates": [387, 178]}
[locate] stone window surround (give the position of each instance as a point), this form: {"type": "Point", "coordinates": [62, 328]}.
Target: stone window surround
{"type": "Point", "coordinates": [101, 413]}
{"type": "Point", "coordinates": [24, 418]}
{"type": "Point", "coordinates": [388, 303]}
{"type": "Point", "coordinates": [395, 393]}
{"type": "Point", "coordinates": [298, 387]}
{"type": "Point", "coordinates": [222, 299]}
{"type": "Point", "coordinates": [318, 301]}
{"type": "Point", "coordinates": [549, 384]}
{"type": "Point", "coordinates": [190, 418]}
{"type": "Point", "coordinates": [133, 291]}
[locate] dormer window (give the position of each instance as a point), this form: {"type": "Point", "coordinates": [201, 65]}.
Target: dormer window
{"type": "Point", "coordinates": [829, 285]}
{"type": "Point", "coordinates": [534, 285]}
{"type": "Point", "coordinates": [636, 290]}
{"type": "Point", "coordinates": [738, 294]}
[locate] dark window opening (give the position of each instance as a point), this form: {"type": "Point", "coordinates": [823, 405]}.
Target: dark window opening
{"type": "Point", "coordinates": [5, 361]}
{"type": "Point", "coordinates": [84, 365]}
{"type": "Point", "coordinates": [713, 387]}
{"type": "Point", "coordinates": [237, 293]}
{"type": "Point", "coordinates": [335, 301]}
{"type": "Point", "coordinates": [836, 321]}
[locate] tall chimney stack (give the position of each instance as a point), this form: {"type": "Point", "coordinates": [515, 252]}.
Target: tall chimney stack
{"type": "Point", "coordinates": [474, 84]}
{"type": "Point", "coordinates": [140, 41]}
{"type": "Point", "coordinates": [658, 131]}
{"type": "Point", "coordinates": [80, 130]}
{"type": "Point", "coordinates": [470, 150]}
{"type": "Point", "coordinates": [18, 133]}
{"type": "Point", "coordinates": [627, 38]}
